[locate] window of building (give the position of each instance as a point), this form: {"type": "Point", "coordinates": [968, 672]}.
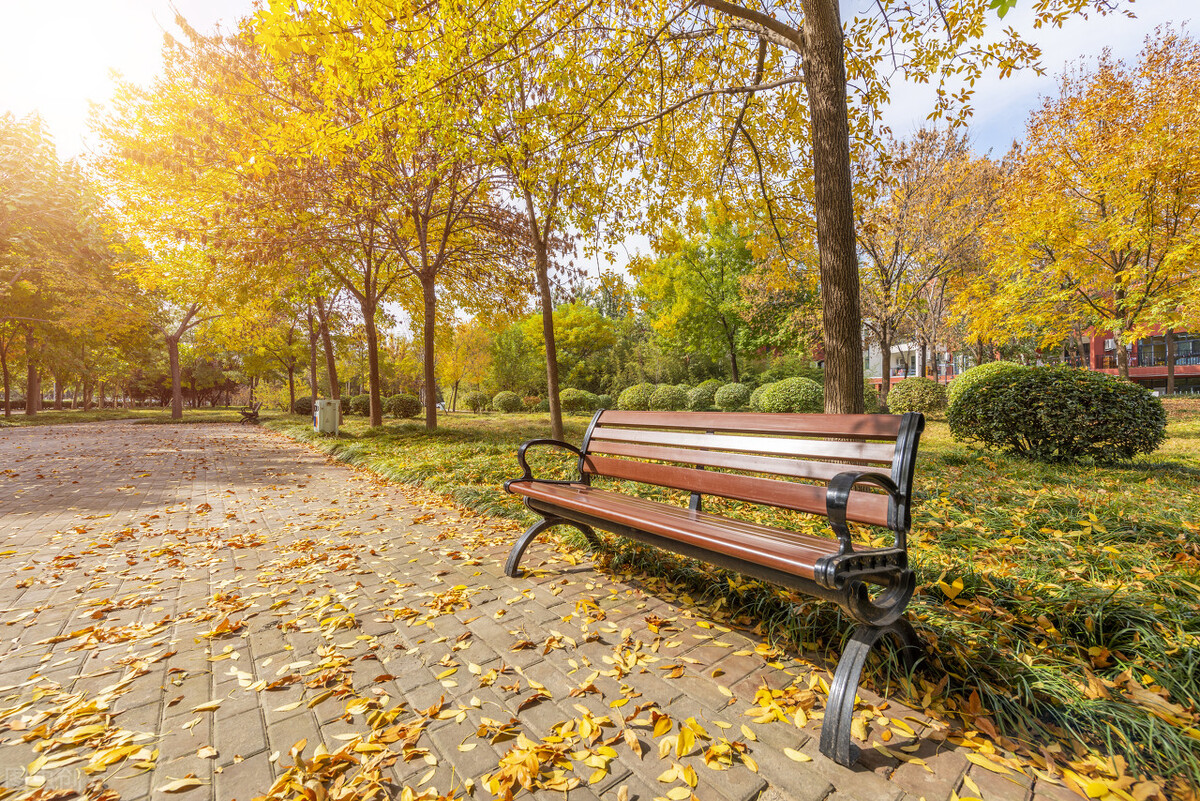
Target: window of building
{"type": "Point", "coordinates": [1152, 352]}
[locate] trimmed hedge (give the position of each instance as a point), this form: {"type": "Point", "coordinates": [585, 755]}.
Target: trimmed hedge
{"type": "Point", "coordinates": [303, 406]}
{"type": "Point", "coordinates": [577, 400]}
{"type": "Point", "coordinates": [604, 402]}
{"type": "Point", "coordinates": [975, 374]}
{"type": "Point", "coordinates": [1059, 414]}
{"type": "Point", "coordinates": [476, 401]}
{"type": "Point", "coordinates": [669, 399]}
{"type": "Point", "coordinates": [360, 405]}
{"type": "Point", "coordinates": [703, 397]}
{"type": "Point", "coordinates": [794, 395]}
{"type": "Point", "coordinates": [402, 405]}
{"type": "Point", "coordinates": [636, 398]}
{"type": "Point", "coordinates": [732, 397]}
{"type": "Point", "coordinates": [507, 402]}
{"type": "Point", "coordinates": [917, 394]}
{"type": "Point", "coordinates": [757, 395]}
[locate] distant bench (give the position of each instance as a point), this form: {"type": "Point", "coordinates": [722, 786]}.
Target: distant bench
{"type": "Point", "coordinates": [695, 452]}
{"type": "Point", "coordinates": [250, 413]}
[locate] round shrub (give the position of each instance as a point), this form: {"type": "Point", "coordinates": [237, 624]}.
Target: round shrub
{"type": "Point", "coordinates": [475, 401]}
{"type": "Point", "coordinates": [402, 405]}
{"type": "Point", "coordinates": [917, 394]}
{"type": "Point", "coordinates": [669, 399]}
{"type": "Point", "coordinates": [636, 398]}
{"type": "Point", "coordinates": [1059, 414]}
{"type": "Point", "coordinates": [870, 398]}
{"type": "Point", "coordinates": [794, 395]}
{"type": "Point", "coordinates": [507, 402]}
{"type": "Point", "coordinates": [360, 404]}
{"type": "Point", "coordinates": [543, 405]}
{"type": "Point", "coordinates": [577, 400]}
{"type": "Point", "coordinates": [303, 405]}
{"type": "Point", "coordinates": [703, 397]}
{"type": "Point", "coordinates": [976, 373]}
{"type": "Point", "coordinates": [757, 395]}
{"type": "Point", "coordinates": [532, 402]}
{"type": "Point", "coordinates": [604, 401]}
{"type": "Point", "coordinates": [731, 397]}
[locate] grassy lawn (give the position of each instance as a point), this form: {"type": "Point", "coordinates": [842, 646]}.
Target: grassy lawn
{"type": "Point", "coordinates": [51, 417]}
{"type": "Point", "coordinates": [1063, 602]}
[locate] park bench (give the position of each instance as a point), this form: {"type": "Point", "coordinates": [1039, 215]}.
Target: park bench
{"type": "Point", "coordinates": [250, 413]}
{"type": "Point", "coordinates": [756, 458]}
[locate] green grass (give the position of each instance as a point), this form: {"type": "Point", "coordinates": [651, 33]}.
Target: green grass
{"type": "Point", "coordinates": [1067, 572]}
{"type": "Point", "coordinates": [50, 417]}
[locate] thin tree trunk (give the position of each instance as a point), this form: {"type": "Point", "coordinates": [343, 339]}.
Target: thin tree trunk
{"type": "Point", "coordinates": [428, 292]}
{"type": "Point", "coordinates": [291, 387]}
{"type": "Point", "coordinates": [1170, 340]}
{"type": "Point", "coordinates": [335, 388]}
{"type": "Point", "coordinates": [1122, 357]}
{"type": "Point", "coordinates": [7, 379]}
{"type": "Point", "coordinates": [32, 390]}
{"type": "Point", "coordinates": [58, 391]}
{"type": "Point", "coordinates": [176, 378]}
{"type": "Point", "coordinates": [825, 82]}
{"type": "Point", "coordinates": [885, 385]}
{"type": "Point", "coordinates": [101, 404]}
{"type": "Point", "coordinates": [376, 411]}
{"type": "Point", "coordinates": [542, 268]}
{"type": "Point", "coordinates": [312, 358]}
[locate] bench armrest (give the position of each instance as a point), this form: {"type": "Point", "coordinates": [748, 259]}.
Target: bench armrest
{"type": "Point", "coordinates": [838, 495]}
{"type": "Point", "coordinates": [527, 475]}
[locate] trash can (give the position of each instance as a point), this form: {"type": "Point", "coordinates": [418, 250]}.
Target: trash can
{"type": "Point", "coordinates": [325, 416]}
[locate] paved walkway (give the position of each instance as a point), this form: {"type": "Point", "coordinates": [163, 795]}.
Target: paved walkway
{"type": "Point", "coordinates": [216, 612]}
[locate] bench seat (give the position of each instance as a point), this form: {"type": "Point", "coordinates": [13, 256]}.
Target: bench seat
{"type": "Point", "coordinates": [773, 548]}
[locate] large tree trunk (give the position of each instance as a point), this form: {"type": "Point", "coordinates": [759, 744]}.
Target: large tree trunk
{"type": "Point", "coordinates": [429, 295]}
{"type": "Point", "coordinates": [368, 311]}
{"type": "Point", "coordinates": [825, 82]}
{"type": "Point", "coordinates": [1170, 340]}
{"type": "Point", "coordinates": [176, 378]}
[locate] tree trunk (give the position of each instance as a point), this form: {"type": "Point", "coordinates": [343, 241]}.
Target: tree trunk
{"type": "Point", "coordinates": [980, 351]}
{"type": "Point", "coordinates": [454, 398]}
{"type": "Point", "coordinates": [176, 378]}
{"type": "Point", "coordinates": [429, 294]}
{"type": "Point", "coordinates": [58, 391]}
{"type": "Point", "coordinates": [335, 388]}
{"type": "Point", "coordinates": [32, 390]}
{"type": "Point", "coordinates": [376, 412]}
{"type": "Point", "coordinates": [885, 385]}
{"type": "Point", "coordinates": [542, 268]}
{"type": "Point", "coordinates": [101, 404]}
{"type": "Point", "coordinates": [922, 360]}
{"type": "Point", "coordinates": [291, 387]}
{"type": "Point", "coordinates": [825, 83]}
{"type": "Point", "coordinates": [7, 380]}
{"type": "Point", "coordinates": [76, 388]}
{"type": "Point", "coordinates": [1170, 340]}
{"type": "Point", "coordinates": [312, 358]}
{"type": "Point", "coordinates": [1122, 356]}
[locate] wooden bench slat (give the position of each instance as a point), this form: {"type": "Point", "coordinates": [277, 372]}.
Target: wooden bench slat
{"type": "Point", "coordinates": [863, 507]}
{"type": "Point", "coordinates": [794, 468]}
{"type": "Point", "coordinates": [855, 426]}
{"type": "Point", "coordinates": [753, 542]}
{"type": "Point", "coordinates": [873, 452]}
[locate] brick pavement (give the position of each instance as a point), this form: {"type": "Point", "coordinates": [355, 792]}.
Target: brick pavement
{"type": "Point", "coordinates": [183, 605]}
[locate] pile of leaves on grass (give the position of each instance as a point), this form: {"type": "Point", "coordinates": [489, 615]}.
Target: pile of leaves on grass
{"type": "Point", "coordinates": [1061, 604]}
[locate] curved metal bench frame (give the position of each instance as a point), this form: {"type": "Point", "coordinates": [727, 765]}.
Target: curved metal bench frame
{"type": "Point", "coordinates": [873, 586]}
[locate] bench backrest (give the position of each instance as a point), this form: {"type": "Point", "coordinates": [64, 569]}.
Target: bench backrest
{"type": "Point", "coordinates": [773, 456]}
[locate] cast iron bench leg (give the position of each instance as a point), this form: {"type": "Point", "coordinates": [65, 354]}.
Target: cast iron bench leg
{"type": "Point", "coordinates": [523, 542]}
{"type": "Point", "coordinates": [839, 710]}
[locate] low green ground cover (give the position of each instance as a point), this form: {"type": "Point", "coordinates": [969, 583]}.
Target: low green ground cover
{"type": "Point", "coordinates": [1066, 597]}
